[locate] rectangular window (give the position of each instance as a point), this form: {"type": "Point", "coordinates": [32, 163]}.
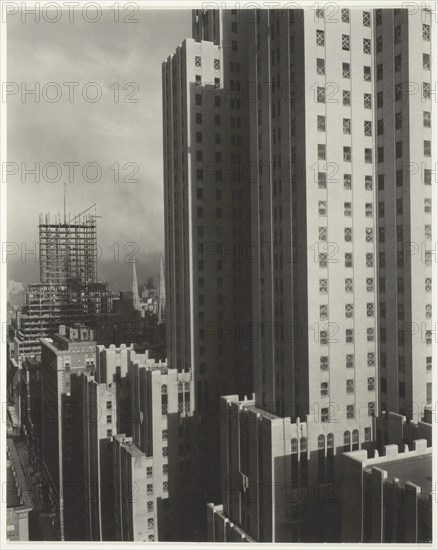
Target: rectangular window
{"type": "Point", "coordinates": [371, 408]}
{"type": "Point", "coordinates": [323, 286]}
{"type": "Point", "coordinates": [350, 411]}
{"type": "Point", "coordinates": [348, 234]}
{"type": "Point", "coordinates": [347, 181]}
{"type": "Point", "coordinates": [426, 119]}
{"type": "Point", "coordinates": [368, 155]}
{"type": "Point", "coordinates": [426, 90]}
{"type": "Point", "coordinates": [347, 154]}
{"type": "Point", "coordinates": [349, 361]}
{"type": "Point", "coordinates": [369, 258]}
{"type": "Point", "coordinates": [368, 210]}
{"type": "Point", "coordinates": [379, 45]}
{"type": "Point", "coordinates": [346, 42]}
{"type": "Point", "coordinates": [349, 285]}
{"type": "Point", "coordinates": [345, 15]}
{"type": "Point", "coordinates": [398, 121]}
{"type": "Point", "coordinates": [347, 125]}
{"type": "Point", "coordinates": [371, 361]}
{"type": "Point", "coordinates": [324, 389]}
{"type": "Point", "coordinates": [345, 70]}
{"type": "Point", "coordinates": [366, 19]}
{"type": "Point", "coordinates": [322, 259]}
{"type": "Point", "coordinates": [323, 311]}
{"type": "Point", "coordinates": [324, 363]}
{"type": "Point", "coordinates": [348, 259]}
{"type": "Point", "coordinates": [428, 206]}
{"type": "Point", "coordinates": [426, 148]}
{"type": "Point", "coordinates": [319, 38]}
{"type": "Point", "coordinates": [367, 101]}
{"type": "Point", "coordinates": [367, 127]}
{"type": "Point", "coordinates": [370, 309]}
{"type": "Point", "coordinates": [321, 123]}
{"type": "Point", "coordinates": [349, 311]}
{"type": "Point", "coordinates": [321, 151]}
{"type": "Point", "coordinates": [347, 209]}
{"type": "Point", "coordinates": [426, 62]}
{"type": "Point", "coordinates": [368, 183]}
{"type": "Point", "coordinates": [369, 235]}
{"type": "Point", "coordinates": [426, 32]}
{"type": "Point", "coordinates": [349, 385]}
{"type": "Point", "coordinates": [320, 66]}
{"type": "Point", "coordinates": [320, 94]}
{"type": "Point", "coordinates": [367, 45]}
{"type": "Point", "coordinates": [346, 98]}
{"type": "Point", "coordinates": [397, 63]}
{"type": "Point", "coordinates": [197, 61]}
{"type": "Point", "coordinates": [370, 335]}
{"type": "Point", "coordinates": [323, 233]}
{"type": "Point", "coordinates": [370, 284]}
{"type": "Point", "coordinates": [322, 208]}
{"type": "Point", "coordinates": [397, 34]}
{"type": "Point", "coordinates": [322, 177]}
{"type": "Point", "coordinates": [349, 338]}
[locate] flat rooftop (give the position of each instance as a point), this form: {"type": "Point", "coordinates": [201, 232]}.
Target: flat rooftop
{"type": "Point", "coordinates": [416, 469]}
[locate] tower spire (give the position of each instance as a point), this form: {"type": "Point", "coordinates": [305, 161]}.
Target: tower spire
{"type": "Point", "coordinates": [162, 295]}
{"type": "Point", "coordinates": [135, 295]}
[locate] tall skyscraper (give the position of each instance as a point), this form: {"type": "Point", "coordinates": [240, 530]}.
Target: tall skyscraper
{"type": "Point", "coordinates": [208, 286]}
{"type": "Point", "coordinates": [402, 88]}
{"type": "Point", "coordinates": [161, 295]}
{"type": "Point", "coordinates": [319, 278]}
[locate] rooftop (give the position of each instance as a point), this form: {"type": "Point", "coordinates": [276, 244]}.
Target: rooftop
{"type": "Point", "coordinates": [417, 469]}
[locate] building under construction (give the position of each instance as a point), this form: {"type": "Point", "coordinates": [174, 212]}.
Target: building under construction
{"type": "Point", "coordinates": [68, 291]}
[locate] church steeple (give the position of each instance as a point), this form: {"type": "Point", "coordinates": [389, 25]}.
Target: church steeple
{"type": "Point", "coordinates": [135, 295]}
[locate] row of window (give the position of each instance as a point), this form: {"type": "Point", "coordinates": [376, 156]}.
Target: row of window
{"type": "Point", "coordinates": [348, 235]}
{"type": "Point", "coordinates": [348, 285]}
{"type": "Point", "coordinates": [349, 310]}
{"type": "Point", "coordinates": [321, 97]}
{"type": "Point", "coordinates": [346, 151]}
{"type": "Point", "coordinates": [149, 470]}
{"type": "Point", "coordinates": [346, 72]}
{"type": "Point", "coordinates": [325, 339]}
{"type": "Point", "coordinates": [349, 386]}
{"type": "Point", "coordinates": [326, 416]}
{"type": "Point", "coordinates": [345, 42]}
{"type": "Point", "coordinates": [216, 62]}
{"type": "Point", "coordinates": [349, 361]}
{"type": "Point", "coordinates": [345, 16]}
{"type": "Point", "coordinates": [398, 92]}
{"type": "Point", "coordinates": [348, 208]}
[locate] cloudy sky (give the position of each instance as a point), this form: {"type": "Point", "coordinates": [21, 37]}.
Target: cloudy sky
{"type": "Point", "coordinates": [104, 132]}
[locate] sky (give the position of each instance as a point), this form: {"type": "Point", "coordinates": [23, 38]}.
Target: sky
{"type": "Point", "coordinates": [64, 125]}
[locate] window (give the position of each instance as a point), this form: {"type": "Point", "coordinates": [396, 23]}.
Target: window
{"type": "Point", "coordinates": [349, 336]}
{"type": "Point", "coordinates": [369, 235]}
{"type": "Point", "coordinates": [347, 209]}
{"type": "Point", "coordinates": [371, 408]}
{"type": "Point", "coordinates": [366, 18]}
{"type": "Point", "coordinates": [426, 119]}
{"type": "Point", "coordinates": [320, 66]}
{"type": "Point", "coordinates": [370, 284]}
{"type": "Point", "coordinates": [320, 94]}
{"type": "Point", "coordinates": [234, 45]}
{"type": "Point", "coordinates": [428, 311]}
{"type": "Point", "coordinates": [429, 363]}
{"type": "Point", "coordinates": [346, 440]}
{"type": "Point", "coordinates": [322, 180]}
{"type": "Point", "coordinates": [349, 310]}
{"type": "Point", "coordinates": [150, 489]}
{"type": "Point", "coordinates": [323, 337]}
{"type": "Point", "coordinates": [367, 127]}
{"type": "Point", "coordinates": [349, 285]}
{"type": "Point", "coordinates": [345, 42]}
{"type": "Point", "coordinates": [109, 405]}
{"type": "Point", "coordinates": [197, 61]}
{"type": "Point", "coordinates": [368, 210]}
{"type": "Point", "coordinates": [398, 149]}
{"type": "Point", "coordinates": [347, 181]}
{"type": "Point", "coordinates": [165, 451]}
{"type": "Point", "coordinates": [380, 100]}
{"type": "Point", "coordinates": [348, 259]}
{"type": "Point", "coordinates": [368, 183]}
{"type": "Point", "coordinates": [367, 45]}
{"type": "Point", "coordinates": [294, 446]}
{"type": "Point", "coordinates": [346, 98]}
{"type": "Point", "coordinates": [426, 148]}
{"type": "Point", "coordinates": [325, 415]}
{"type": "Point", "coordinates": [324, 389]}
{"type": "Point", "coordinates": [398, 121]}
{"type": "Point", "coordinates": [428, 232]}
{"type": "Point", "coordinates": [319, 38]}
{"type": "Point", "coordinates": [371, 359]}
{"type": "Point", "coordinates": [323, 286]}
{"type": "Point", "coordinates": [370, 309]}
{"type": "Point", "coordinates": [397, 34]}
{"type": "Point", "coordinates": [428, 284]}
{"type": "Point", "coordinates": [217, 64]}
{"type": "Point", "coordinates": [349, 361]}
{"type": "Point", "coordinates": [348, 234]}
{"type": "Point", "coordinates": [426, 90]}
{"type": "Point", "coordinates": [378, 17]}
{"type": "Point", "coordinates": [345, 70]}
{"type": "Point", "coordinates": [149, 471]}
{"type": "Point", "coordinates": [322, 208]}
{"type": "Point", "coordinates": [109, 419]}
{"type": "Point", "coordinates": [345, 15]}
{"type": "Point", "coordinates": [198, 137]}
{"type": "Point", "coordinates": [347, 126]}
{"type": "Point", "coordinates": [347, 154]}
{"type": "Point", "coordinates": [379, 45]}
{"type": "Point", "coordinates": [368, 155]}
{"type": "Point", "coordinates": [367, 101]}
{"type": "Point", "coordinates": [426, 62]}
{"type": "Point", "coordinates": [428, 206]}
{"type": "Point", "coordinates": [350, 411]}
{"type": "Point", "coordinates": [321, 151]}
{"type": "Point", "coordinates": [109, 433]}
{"type": "Point", "coordinates": [370, 334]}
{"type": "Point", "coordinates": [426, 32]}
{"type": "Point", "coordinates": [323, 233]}
{"type": "Point", "coordinates": [321, 123]}
{"type": "Point", "coordinates": [322, 259]}
{"type": "Point", "coordinates": [349, 385]}
{"type": "Point", "coordinates": [323, 363]}
{"type": "Point", "coordinates": [380, 71]}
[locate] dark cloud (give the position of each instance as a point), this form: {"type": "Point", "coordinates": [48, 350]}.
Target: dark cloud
{"type": "Point", "coordinates": [104, 132]}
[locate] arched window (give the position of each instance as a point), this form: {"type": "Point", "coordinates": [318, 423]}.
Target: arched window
{"type": "Point", "coordinates": [355, 440]}
{"type": "Point", "coordinates": [330, 441]}
{"type": "Point", "coordinates": [294, 445]}
{"type": "Point", "coordinates": [303, 444]}
{"type": "Point", "coordinates": [321, 441]}
{"type": "Point", "coordinates": [346, 440]}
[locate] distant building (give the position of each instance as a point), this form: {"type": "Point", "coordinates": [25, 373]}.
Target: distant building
{"type": "Point", "coordinates": [19, 504]}
{"type": "Point", "coordinates": [388, 499]}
